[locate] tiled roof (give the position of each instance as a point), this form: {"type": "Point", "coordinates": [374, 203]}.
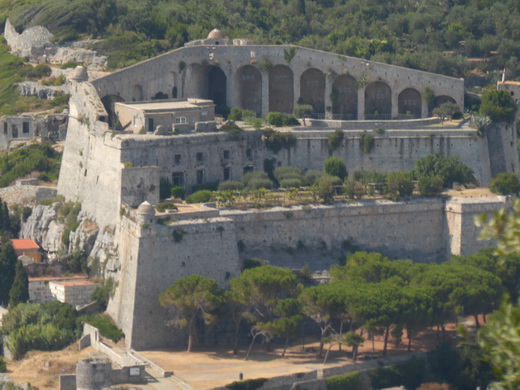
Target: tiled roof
{"type": "Point", "coordinates": [20, 245]}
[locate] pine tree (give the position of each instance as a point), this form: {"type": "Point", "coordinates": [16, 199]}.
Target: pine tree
{"type": "Point", "coordinates": [19, 292]}
{"type": "Point", "coordinates": [8, 260]}
{"type": "Point", "coordinates": [6, 220]}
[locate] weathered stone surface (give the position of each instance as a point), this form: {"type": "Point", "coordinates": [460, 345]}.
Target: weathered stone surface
{"type": "Point", "coordinates": [33, 88]}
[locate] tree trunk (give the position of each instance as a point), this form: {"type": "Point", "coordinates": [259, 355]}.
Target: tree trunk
{"type": "Point", "coordinates": [354, 352]}
{"type": "Point", "coordinates": [340, 333]}
{"type": "Point", "coordinates": [484, 318]}
{"type": "Point", "coordinates": [327, 354]}
{"type": "Point", "coordinates": [191, 331]}
{"type": "Point", "coordinates": [237, 330]}
{"type": "Point", "coordinates": [285, 346]}
{"type": "Point", "coordinates": [477, 323]}
{"type": "Point", "coordinates": [251, 346]}
{"type": "Point", "coordinates": [387, 332]}
{"type": "Point", "coordinates": [409, 335]}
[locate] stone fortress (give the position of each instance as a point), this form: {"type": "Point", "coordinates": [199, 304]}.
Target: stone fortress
{"type": "Point", "coordinates": [119, 146]}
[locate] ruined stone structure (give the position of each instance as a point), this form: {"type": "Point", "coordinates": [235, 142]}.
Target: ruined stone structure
{"type": "Point", "coordinates": [116, 174]}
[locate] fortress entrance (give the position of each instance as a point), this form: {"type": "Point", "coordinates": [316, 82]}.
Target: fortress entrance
{"type": "Point", "coordinates": [409, 103]}
{"type": "Point", "coordinates": [312, 90]}
{"type": "Point", "coordinates": [216, 86]}
{"type": "Point", "coordinates": [344, 98]}
{"type": "Point", "coordinates": [281, 89]}
{"type": "Point", "coordinates": [137, 93]}
{"type": "Point", "coordinates": [250, 89]}
{"type": "Point", "coordinates": [109, 102]}
{"type": "Point", "coordinates": [378, 101]}
{"type": "Point", "coordinates": [441, 99]}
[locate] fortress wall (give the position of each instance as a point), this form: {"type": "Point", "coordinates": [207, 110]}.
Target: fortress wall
{"type": "Point", "coordinates": [462, 232]}
{"type": "Point", "coordinates": [401, 230]}
{"type": "Point", "coordinates": [139, 185]}
{"type": "Point", "coordinates": [152, 260]}
{"type": "Point", "coordinates": [180, 68]}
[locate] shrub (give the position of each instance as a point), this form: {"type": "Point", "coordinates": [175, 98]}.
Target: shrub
{"type": "Point", "coordinates": [311, 176]}
{"type": "Point", "coordinates": [254, 262]}
{"type": "Point", "coordinates": [106, 326]}
{"type": "Point", "coordinates": [163, 206]}
{"type": "Point", "coordinates": [325, 188]}
{"type": "Point", "coordinates": [399, 184]}
{"type": "Point", "coordinates": [276, 141]}
{"type": "Point", "coordinates": [240, 114]}
{"type": "Point", "coordinates": [210, 186]}
{"type": "Point", "coordinates": [250, 384]}
{"type": "Point", "coordinates": [353, 189]}
{"type": "Point", "coordinates": [290, 183]}
{"type": "Point", "coordinates": [233, 129]}
{"type": "Point", "coordinates": [3, 365]}
{"type": "Point", "coordinates": [366, 142]}
{"type": "Point", "coordinates": [334, 140]}
{"type": "Point", "coordinates": [430, 185]}
{"type": "Point", "coordinates": [448, 110]}
{"type": "Point", "coordinates": [499, 106]}
{"type": "Point", "coordinates": [178, 192]}
{"type": "Point", "coordinates": [282, 173]}
{"type": "Point", "coordinates": [344, 382]}
{"type": "Point", "coordinates": [449, 168]}
{"type": "Point", "coordinates": [202, 196]}
{"type": "Point", "coordinates": [256, 184]}
{"type": "Point", "coordinates": [230, 185]}
{"type": "Point", "coordinates": [251, 176]}
{"type": "Point", "coordinates": [505, 184]}
{"type": "Point", "coordinates": [275, 119]}
{"type": "Point", "coordinates": [335, 166]}
{"type": "Point", "coordinates": [303, 110]}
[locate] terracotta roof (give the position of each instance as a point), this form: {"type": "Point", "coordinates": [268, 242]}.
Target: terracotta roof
{"type": "Point", "coordinates": [75, 283]}
{"type": "Point", "coordinates": [20, 245]}
{"type": "Point", "coordinates": [56, 278]}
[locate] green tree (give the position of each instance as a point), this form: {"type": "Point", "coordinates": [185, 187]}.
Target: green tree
{"type": "Point", "coordinates": [505, 184]}
{"type": "Point", "coordinates": [447, 110]}
{"type": "Point", "coordinates": [302, 111]}
{"type": "Point", "coordinates": [190, 297]}
{"type": "Point", "coordinates": [499, 106]}
{"type": "Point", "coordinates": [259, 290]}
{"type": "Point", "coordinates": [19, 292]}
{"type": "Point", "coordinates": [399, 184]}
{"type": "Point", "coordinates": [449, 168]}
{"type": "Point", "coordinates": [430, 185]}
{"type": "Point", "coordinates": [8, 261]}
{"type": "Point", "coordinates": [335, 166]}
{"type": "Point", "coordinates": [325, 188]}
{"type": "Point", "coordinates": [354, 340]}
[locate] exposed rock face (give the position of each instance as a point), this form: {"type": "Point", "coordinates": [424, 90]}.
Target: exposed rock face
{"type": "Point", "coordinates": [45, 227]}
{"type": "Point", "coordinates": [33, 88]}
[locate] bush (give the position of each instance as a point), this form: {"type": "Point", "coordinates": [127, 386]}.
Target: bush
{"type": "Point", "coordinates": [448, 110]}
{"type": "Point", "coordinates": [499, 106]}
{"type": "Point", "coordinates": [335, 166]}
{"type": "Point", "coordinates": [256, 184]}
{"type": "Point", "coordinates": [240, 114]}
{"type": "Point", "coordinates": [178, 192]}
{"type": "Point", "coordinates": [163, 206]}
{"type": "Point", "coordinates": [399, 184]}
{"type": "Point", "coordinates": [255, 176]}
{"type": "Point", "coordinates": [311, 176]}
{"type": "Point", "coordinates": [275, 119]}
{"type": "Point", "coordinates": [353, 189]}
{"type": "Point", "coordinates": [325, 188]}
{"type": "Point", "coordinates": [430, 185]}
{"type": "Point", "coordinates": [366, 142]}
{"type": "Point", "coordinates": [106, 326]}
{"type": "Point", "coordinates": [344, 382]}
{"type": "Point", "coordinates": [449, 168]}
{"type": "Point", "coordinates": [290, 183]}
{"type": "Point", "coordinates": [334, 140]}
{"type": "Point", "coordinates": [230, 185]}
{"type": "Point", "coordinates": [3, 365]}
{"type": "Point", "coordinates": [505, 184]}
{"type": "Point", "coordinates": [282, 173]}
{"type": "Point", "coordinates": [250, 384]}
{"type": "Point", "coordinates": [232, 128]}
{"type": "Point", "coordinates": [202, 196]}
{"type": "Point", "coordinates": [276, 141]}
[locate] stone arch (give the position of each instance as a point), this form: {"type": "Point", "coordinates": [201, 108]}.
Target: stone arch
{"type": "Point", "coordinates": [109, 101]}
{"type": "Point", "coordinates": [137, 93]}
{"type": "Point", "coordinates": [441, 99]}
{"type": "Point", "coordinates": [312, 89]}
{"type": "Point", "coordinates": [216, 85]}
{"type": "Point", "coordinates": [378, 101]}
{"type": "Point", "coordinates": [344, 97]}
{"type": "Point", "coordinates": [409, 103]}
{"type": "Point", "coordinates": [249, 81]}
{"type": "Point", "coordinates": [281, 89]}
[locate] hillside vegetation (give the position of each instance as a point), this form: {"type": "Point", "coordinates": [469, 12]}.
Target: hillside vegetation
{"type": "Point", "coordinates": [433, 35]}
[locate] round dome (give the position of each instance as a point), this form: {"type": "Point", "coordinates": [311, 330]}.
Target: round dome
{"type": "Point", "coordinates": [215, 34]}
{"type": "Point", "coordinates": [79, 74]}
{"type": "Point", "coordinates": [145, 208]}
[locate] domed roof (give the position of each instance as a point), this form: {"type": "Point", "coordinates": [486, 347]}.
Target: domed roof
{"type": "Point", "coordinates": [215, 34]}
{"type": "Point", "coordinates": [145, 208]}
{"type": "Point", "coordinates": [79, 74]}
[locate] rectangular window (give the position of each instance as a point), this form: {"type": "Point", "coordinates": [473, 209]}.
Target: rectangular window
{"type": "Point", "coordinates": [200, 176]}
{"type": "Point", "coordinates": [226, 154]}
{"type": "Point", "coordinates": [227, 173]}
{"type": "Point", "coordinates": [181, 119]}
{"type": "Point", "coordinates": [14, 131]}
{"type": "Point", "coordinates": [249, 153]}
{"type": "Point", "coordinates": [178, 178]}
{"type": "Point", "coordinates": [150, 124]}
{"type": "Point", "coordinates": [25, 127]}
{"type": "Point", "coordinates": [200, 157]}
{"type": "Point", "coordinates": [177, 159]}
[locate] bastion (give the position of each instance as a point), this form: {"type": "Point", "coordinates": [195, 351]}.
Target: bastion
{"type": "Point", "coordinates": [114, 169]}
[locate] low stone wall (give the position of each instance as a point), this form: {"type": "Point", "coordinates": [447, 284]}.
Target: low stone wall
{"type": "Point", "coordinates": [372, 124]}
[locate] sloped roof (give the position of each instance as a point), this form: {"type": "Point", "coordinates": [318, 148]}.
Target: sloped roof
{"type": "Point", "coordinates": [24, 244]}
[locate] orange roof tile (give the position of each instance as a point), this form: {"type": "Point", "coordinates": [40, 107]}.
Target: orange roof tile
{"type": "Point", "coordinates": [48, 278]}
{"type": "Point", "coordinates": [24, 244]}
